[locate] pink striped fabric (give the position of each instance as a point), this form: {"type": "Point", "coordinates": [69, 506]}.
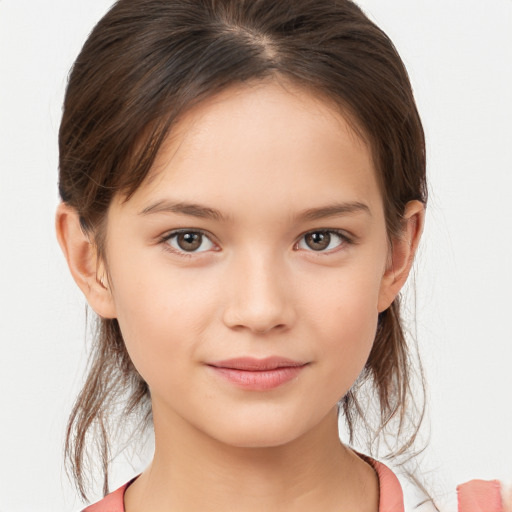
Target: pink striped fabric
{"type": "Point", "coordinates": [480, 496]}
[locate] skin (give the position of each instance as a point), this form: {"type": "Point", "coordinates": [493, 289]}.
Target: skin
{"type": "Point", "coordinates": [262, 155]}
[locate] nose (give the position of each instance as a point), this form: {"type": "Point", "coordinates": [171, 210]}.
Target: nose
{"type": "Point", "coordinates": [260, 296]}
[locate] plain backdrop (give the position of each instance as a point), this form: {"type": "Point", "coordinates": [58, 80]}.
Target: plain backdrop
{"type": "Point", "coordinates": [459, 55]}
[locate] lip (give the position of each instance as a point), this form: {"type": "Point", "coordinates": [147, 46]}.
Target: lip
{"type": "Point", "coordinates": [258, 374]}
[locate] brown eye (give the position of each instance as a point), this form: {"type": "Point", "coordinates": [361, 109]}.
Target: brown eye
{"type": "Point", "coordinates": [318, 241]}
{"type": "Point", "coordinates": [189, 241]}
{"type": "Point", "coordinates": [322, 241]}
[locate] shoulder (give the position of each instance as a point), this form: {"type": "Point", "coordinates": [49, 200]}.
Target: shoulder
{"type": "Point", "coordinates": [113, 502]}
{"type": "Point", "coordinates": [392, 496]}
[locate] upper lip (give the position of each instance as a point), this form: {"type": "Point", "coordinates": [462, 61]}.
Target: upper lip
{"type": "Point", "coordinates": [255, 364]}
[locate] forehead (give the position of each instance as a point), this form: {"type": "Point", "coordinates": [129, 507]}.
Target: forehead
{"type": "Point", "coordinates": [269, 138]}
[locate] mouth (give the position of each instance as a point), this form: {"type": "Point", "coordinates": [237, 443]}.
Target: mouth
{"type": "Point", "coordinates": [257, 374]}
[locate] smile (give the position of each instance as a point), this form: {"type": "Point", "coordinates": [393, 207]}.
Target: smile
{"type": "Point", "coordinates": [258, 374]}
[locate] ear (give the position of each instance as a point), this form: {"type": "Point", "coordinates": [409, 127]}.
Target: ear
{"type": "Point", "coordinates": [86, 268]}
{"type": "Point", "coordinates": [402, 254]}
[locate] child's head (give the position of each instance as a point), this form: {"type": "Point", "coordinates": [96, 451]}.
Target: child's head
{"type": "Point", "coordinates": [181, 113]}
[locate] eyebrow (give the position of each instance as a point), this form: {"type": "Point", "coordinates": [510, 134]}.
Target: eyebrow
{"type": "Point", "coordinates": [333, 210]}
{"type": "Point", "coordinates": [205, 212]}
{"type": "Point", "coordinates": [192, 209]}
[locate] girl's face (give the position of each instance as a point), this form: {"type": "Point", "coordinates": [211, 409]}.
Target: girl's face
{"type": "Point", "coordinates": [248, 271]}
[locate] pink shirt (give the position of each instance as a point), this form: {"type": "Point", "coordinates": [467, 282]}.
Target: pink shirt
{"type": "Point", "coordinates": [480, 496]}
{"type": "Point", "coordinates": [391, 497]}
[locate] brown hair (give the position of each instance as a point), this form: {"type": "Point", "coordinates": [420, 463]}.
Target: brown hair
{"type": "Point", "coordinates": [148, 61]}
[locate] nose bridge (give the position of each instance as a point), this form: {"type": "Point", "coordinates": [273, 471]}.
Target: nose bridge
{"type": "Point", "coordinates": [259, 299]}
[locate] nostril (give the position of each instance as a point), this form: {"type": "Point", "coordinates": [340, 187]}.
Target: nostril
{"type": "Point", "coordinates": [258, 301]}
{"type": "Point", "coordinates": [268, 329]}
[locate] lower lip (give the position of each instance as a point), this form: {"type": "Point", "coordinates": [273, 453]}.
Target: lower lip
{"type": "Point", "coordinates": [263, 380]}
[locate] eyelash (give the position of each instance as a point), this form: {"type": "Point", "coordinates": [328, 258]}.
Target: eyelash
{"type": "Point", "coordinates": [344, 240]}
{"type": "Point", "coordinates": [184, 254]}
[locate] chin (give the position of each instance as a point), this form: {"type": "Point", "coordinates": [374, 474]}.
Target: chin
{"type": "Point", "coordinates": [256, 433]}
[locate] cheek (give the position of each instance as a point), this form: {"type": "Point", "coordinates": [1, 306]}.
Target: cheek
{"type": "Point", "coordinates": [352, 332]}
{"type": "Point", "coordinates": [346, 316]}
{"type": "Point", "coordinates": [161, 320]}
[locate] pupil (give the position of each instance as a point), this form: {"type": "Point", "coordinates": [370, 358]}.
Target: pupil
{"type": "Point", "coordinates": [318, 240]}
{"type": "Point", "coordinates": [189, 241]}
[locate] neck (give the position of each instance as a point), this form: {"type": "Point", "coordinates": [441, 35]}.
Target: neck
{"type": "Point", "coordinates": [191, 471]}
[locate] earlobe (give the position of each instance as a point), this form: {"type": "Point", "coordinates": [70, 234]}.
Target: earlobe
{"type": "Point", "coordinates": [402, 254]}
{"type": "Point", "coordinates": [82, 258]}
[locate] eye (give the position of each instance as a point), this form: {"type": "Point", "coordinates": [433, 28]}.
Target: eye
{"type": "Point", "coordinates": [322, 240]}
{"type": "Point", "coordinates": [188, 241]}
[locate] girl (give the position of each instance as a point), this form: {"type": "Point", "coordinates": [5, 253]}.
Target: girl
{"type": "Point", "coordinates": [243, 192]}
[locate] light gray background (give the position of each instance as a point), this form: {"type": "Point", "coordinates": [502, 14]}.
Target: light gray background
{"type": "Point", "coordinates": [459, 55]}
